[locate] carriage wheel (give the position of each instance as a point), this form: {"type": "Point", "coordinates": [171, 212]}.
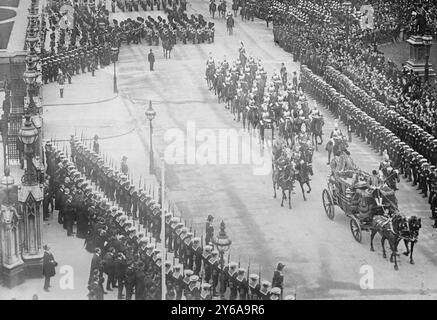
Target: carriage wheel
{"type": "Point", "coordinates": [328, 204]}
{"type": "Point", "coordinates": [356, 229]}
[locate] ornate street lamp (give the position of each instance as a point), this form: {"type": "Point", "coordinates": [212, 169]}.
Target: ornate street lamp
{"type": "Point", "coordinates": [346, 13]}
{"type": "Point", "coordinates": [29, 77]}
{"type": "Point", "coordinates": [427, 41]}
{"type": "Point", "coordinates": [150, 115]}
{"type": "Point", "coordinates": [114, 51]}
{"type": "Point", "coordinates": [223, 243]}
{"type": "Point", "coordinates": [28, 135]}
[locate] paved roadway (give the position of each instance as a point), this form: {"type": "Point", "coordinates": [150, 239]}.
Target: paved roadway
{"type": "Point", "coordinates": [322, 258]}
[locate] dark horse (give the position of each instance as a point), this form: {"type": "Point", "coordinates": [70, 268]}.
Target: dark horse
{"type": "Point", "coordinates": [285, 180]}
{"type": "Point", "coordinates": [316, 129]}
{"type": "Point", "coordinates": [302, 175]}
{"type": "Point", "coordinates": [336, 147]}
{"type": "Point", "coordinates": [391, 229]}
{"type": "Point", "coordinates": [414, 224]}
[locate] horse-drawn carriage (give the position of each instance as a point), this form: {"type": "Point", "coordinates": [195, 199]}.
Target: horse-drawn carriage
{"type": "Point", "coordinates": [349, 190]}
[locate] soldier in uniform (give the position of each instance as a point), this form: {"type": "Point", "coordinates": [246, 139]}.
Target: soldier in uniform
{"type": "Point", "coordinates": [205, 293]}
{"type": "Point", "coordinates": [216, 269]}
{"type": "Point", "coordinates": [254, 287]}
{"type": "Point", "coordinates": [275, 293]}
{"type": "Point", "coordinates": [193, 292]}
{"type": "Point", "coordinates": [264, 291]}
{"type": "Point", "coordinates": [177, 279]}
{"type": "Point", "coordinates": [278, 277]}
{"type": "Point", "coordinates": [229, 280]}
{"type": "Point", "coordinates": [242, 284]}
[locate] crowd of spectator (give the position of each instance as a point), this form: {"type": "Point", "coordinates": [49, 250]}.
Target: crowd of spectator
{"type": "Point", "coordinates": [319, 42]}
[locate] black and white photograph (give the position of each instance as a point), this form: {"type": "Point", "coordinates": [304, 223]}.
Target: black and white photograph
{"type": "Point", "coordinates": [237, 151]}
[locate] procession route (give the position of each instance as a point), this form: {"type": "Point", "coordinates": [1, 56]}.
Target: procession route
{"type": "Point", "coordinates": [322, 259]}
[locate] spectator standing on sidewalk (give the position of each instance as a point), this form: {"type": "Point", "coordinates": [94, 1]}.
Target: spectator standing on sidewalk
{"type": "Point", "coordinates": [61, 82]}
{"type": "Point", "coordinates": [151, 58]}
{"type": "Point", "coordinates": [48, 267]}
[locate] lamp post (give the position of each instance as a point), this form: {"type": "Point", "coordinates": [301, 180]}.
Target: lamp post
{"type": "Point", "coordinates": [347, 7]}
{"type": "Point", "coordinates": [223, 243]}
{"type": "Point", "coordinates": [114, 51]}
{"type": "Point", "coordinates": [427, 41]}
{"type": "Point", "coordinates": [29, 77]}
{"type": "Point", "coordinates": [151, 114]}
{"type": "Point", "coordinates": [163, 284]}
{"type": "Point", "coordinates": [28, 135]}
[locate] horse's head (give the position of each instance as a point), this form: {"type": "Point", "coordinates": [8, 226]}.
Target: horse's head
{"type": "Point", "coordinates": [414, 224]}
{"type": "Point", "coordinates": [400, 224]}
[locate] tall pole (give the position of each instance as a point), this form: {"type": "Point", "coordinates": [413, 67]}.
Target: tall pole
{"type": "Point", "coordinates": [115, 76]}
{"type": "Point", "coordinates": [163, 227]}
{"type": "Point", "coordinates": [426, 68]}
{"type": "Point", "coordinates": [151, 149]}
{"type": "Point", "coordinates": [222, 262]}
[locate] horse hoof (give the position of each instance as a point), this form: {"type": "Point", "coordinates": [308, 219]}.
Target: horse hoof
{"type": "Point", "coordinates": [304, 199]}
{"type": "Point", "coordinates": [282, 205]}
{"type": "Point", "coordinates": [371, 249]}
{"type": "Point", "coordinates": [384, 256]}
{"type": "Point", "coordinates": [396, 268]}
{"type": "Point", "coordinates": [412, 262]}
{"type": "Point", "coordinates": [391, 259]}
{"type": "Point", "coordinates": [406, 254]}
{"type": "Point", "coordinates": [309, 191]}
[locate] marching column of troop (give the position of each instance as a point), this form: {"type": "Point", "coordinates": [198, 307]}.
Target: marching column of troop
{"type": "Point", "coordinates": [74, 62]}
{"type": "Point", "coordinates": [84, 190]}
{"type": "Point", "coordinates": [361, 117]}
{"type": "Point", "coordinates": [261, 102]}
{"type": "Point", "coordinates": [178, 27]}
{"type": "Point", "coordinates": [129, 259]}
{"type": "Point", "coordinates": [135, 5]}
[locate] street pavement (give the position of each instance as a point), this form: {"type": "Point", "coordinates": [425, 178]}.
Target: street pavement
{"type": "Point", "coordinates": [322, 259]}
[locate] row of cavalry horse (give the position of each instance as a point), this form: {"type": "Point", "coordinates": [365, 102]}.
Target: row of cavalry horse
{"type": "Point", "coordinates": [299, 132]}
{"type": "Point", "coordinates": [221, 9]}
{"type": "Point", "coordinates": [299, 136]}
